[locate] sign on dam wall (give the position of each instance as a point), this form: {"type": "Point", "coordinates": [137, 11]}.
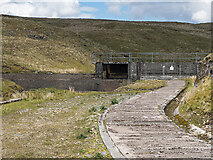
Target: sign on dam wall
{"type": "Point", "coordinates": [78, 82]}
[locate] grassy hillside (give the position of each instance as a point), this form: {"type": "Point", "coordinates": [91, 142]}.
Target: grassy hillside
{"type": "Point", "coordinates": [9, 88]}
{"type": "Point", "coordinates": [196, 106]}
{"type": "Point", "coordinates": [66, 45]}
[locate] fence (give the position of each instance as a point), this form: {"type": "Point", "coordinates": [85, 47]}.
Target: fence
{"type": "Point", "coordinates": [148, 57]}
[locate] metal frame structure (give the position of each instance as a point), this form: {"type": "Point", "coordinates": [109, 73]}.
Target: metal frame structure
{"type": "Point", "coordinates": [147, 57]}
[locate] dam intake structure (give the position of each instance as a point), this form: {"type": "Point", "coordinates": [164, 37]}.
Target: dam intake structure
{"type": "Point", "coordinates": [135, 66]}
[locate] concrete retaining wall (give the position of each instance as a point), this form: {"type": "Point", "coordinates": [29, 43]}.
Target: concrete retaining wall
{"type": "Point", "coordinates": [80, 82]}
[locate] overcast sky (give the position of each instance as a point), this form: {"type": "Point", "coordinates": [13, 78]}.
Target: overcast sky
{"type": "Point", "coordinates": [193, 11]}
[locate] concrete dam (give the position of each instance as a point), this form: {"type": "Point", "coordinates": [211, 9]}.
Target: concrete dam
{"type": "Point", "coordinates": [135, 66]}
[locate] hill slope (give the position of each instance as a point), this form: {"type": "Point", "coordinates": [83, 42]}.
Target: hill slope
{"type": "Point", "coordinates": [196, 106]}
{"type": "Point", "coordinates": [66, 45]}
{"type": "Point", "coordinates": [8, 88]}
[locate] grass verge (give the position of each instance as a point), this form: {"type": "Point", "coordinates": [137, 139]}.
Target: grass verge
{"type": "Point", "coordinates": [140, 85]}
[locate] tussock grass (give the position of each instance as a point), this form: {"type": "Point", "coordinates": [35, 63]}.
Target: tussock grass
{"type": "Point", "coordinates": [114, 101]}
{"type": "Point", "coordinates": [143, 85]}
{"type": "Point", "coordinates": [9, 89]}
{"type": "Point", "coordinates": [37, 96]}
{"type": "Point", "coordinates": [196, 105]}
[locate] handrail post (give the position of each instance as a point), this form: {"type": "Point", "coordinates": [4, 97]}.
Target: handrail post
{"type": "Point", "coordinates": [111, 57]}
{"type": "Point", "coordinates": [130, 57]}
{"type": "Point", "coordinates": [152, 57]}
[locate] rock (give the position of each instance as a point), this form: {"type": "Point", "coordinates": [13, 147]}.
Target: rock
{"type": "Point", "coordinates": [196, 129]}
{"type": "Point", "coordinates": [39, 37]}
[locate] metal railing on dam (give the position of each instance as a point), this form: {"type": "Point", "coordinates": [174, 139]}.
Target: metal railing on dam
{"type": "Point", "coordinates": [147, 57]}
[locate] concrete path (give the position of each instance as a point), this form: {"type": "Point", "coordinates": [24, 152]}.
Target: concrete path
{"type": "Point", "coordinates": [139, 130]}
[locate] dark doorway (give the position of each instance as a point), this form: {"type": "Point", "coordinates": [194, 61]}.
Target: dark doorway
{"type": "Point", "coordinates": [115, 71]}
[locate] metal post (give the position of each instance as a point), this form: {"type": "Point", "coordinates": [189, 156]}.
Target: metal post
{"type": "Point", "coordinates": [163, 71]}
{"type": "Point", "coordinates": [130, 67]}
{"type": "Point", "coordinates": [130, 57]}
{"type": "Point", "coordinates": [99, 58]}
{"type": "Point", "coordinates": [180, 70]}
{"type": "Point", "coordinates": [196, 57]}
{"type": "Point", "coordinates": [197, 64]}
{"type": "Point", "coordinates": [110, 57]}
{"type": "Point", "coordinates": [152, 57]}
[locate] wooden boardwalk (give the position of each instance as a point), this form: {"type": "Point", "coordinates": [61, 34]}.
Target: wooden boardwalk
{"type": "Point", "coordinates": [139, 130]}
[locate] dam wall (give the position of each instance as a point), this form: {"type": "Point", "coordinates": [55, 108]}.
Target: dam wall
{"type": "Point", "coordinates": [79, 82]}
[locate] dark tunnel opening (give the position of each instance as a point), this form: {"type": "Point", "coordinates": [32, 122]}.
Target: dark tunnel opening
{"type": "Point", "coordinates": [115, 71]}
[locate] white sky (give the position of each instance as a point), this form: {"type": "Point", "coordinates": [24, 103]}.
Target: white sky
{"type": "Point", "coordinates": [194, 11]}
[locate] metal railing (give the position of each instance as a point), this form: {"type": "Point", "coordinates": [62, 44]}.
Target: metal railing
{"type": "Point", "coordinates": [148, 57]}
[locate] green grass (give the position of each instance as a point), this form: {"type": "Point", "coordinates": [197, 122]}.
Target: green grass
{"type": "Point", "coordinates": [103, 108]}
{"type": "Point", "coordinates": [62, 125]}
{"type": "Point", "coordinates": [66, 45]}
{"type": "Point", "coordinates": [196, 106]}
{"type": "Point", "coordinates": [141, 85]}
{"type": "Point", "coordinates": [93, 109]}
{"type": "Point", "coordinates": [81, 136]}
{"type": "Point", "coordinates": [114, 101]}
{"type": "Point", "coordinates": [9, 89]}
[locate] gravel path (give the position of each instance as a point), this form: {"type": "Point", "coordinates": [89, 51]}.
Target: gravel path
{"type": "Point", "coordinates": [138, 129]}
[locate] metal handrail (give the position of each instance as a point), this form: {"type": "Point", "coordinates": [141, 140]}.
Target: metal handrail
{"type": "Point", "coordinates": [147, 56]}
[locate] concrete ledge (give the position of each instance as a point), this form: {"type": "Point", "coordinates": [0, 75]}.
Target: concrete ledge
{"type": "Point", "coordinates": [166, 77]}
